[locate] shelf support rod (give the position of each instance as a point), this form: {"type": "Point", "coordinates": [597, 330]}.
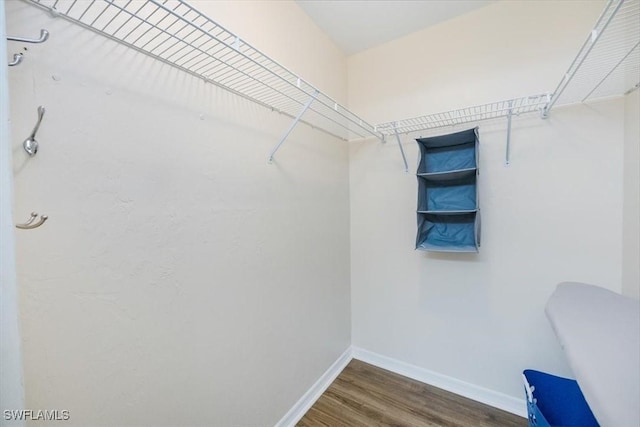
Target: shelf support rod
{"type": "Point", "coordinates": [588, 45]}
{"type": "Point", "coordinates": [404, 158]}
{"type": "Point", "coordinates": [293, 124]}
{"type": "Point", "coordinates": [509, 116]}
{"type": "Point", "coordinates": [611, 71]}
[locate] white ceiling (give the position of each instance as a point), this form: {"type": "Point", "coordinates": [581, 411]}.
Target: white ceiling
{"type": "Point", "coordinates": [357, 25]}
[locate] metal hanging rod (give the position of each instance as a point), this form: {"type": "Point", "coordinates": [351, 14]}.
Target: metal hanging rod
{"type": "Point", "coordinates": [608, 62]}
{"type": "Point", "coordinates": [175, 33]}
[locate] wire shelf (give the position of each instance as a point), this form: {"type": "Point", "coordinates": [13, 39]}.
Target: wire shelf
{"type": "Point", "coordinates": [177, 34]}
{"type": "Point", "coordinates": [608, 63]}
{"type": "Point", "coordinates": [476, 113]}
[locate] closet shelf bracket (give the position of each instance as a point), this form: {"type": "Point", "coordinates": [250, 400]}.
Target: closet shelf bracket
{"type": "Point", "coordinates": [404, 158]}
{"type": "Point", "coordinates": [508, 148]}
{"type": "Point", "coordinates": [296, 120]}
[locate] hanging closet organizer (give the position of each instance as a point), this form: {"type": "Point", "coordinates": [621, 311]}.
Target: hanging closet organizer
{"type": "Point", "coordinates": [448, 209]}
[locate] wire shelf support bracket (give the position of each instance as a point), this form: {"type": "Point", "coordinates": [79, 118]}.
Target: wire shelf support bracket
{"type": "Point", "coordinates": [507, 154]}
{"type": "Point", "coordinates": [404, 158]}
{"type": "Point", "coordinates": [293, 125]}
{"type": "Point", "coordinates": [177, 34]}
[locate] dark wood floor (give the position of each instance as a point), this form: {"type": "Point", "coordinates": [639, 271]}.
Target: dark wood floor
{"type": "Point", "coordinates": [364, 395]}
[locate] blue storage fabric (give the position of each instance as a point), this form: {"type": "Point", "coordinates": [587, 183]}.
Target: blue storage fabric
{"type": "Point", "coordinates": [451, 195]}
{"type": "Point", "coordinates": [447, 233]}
{"type": "Point", "coordinates": [444, 159]}
{"type": "Point", "coordinates": [448, 211]}
{"type": "Point", "coordinates": [556, 402]}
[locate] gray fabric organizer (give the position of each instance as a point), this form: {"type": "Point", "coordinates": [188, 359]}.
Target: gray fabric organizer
{"type": "Point", "coordinates": [448, 209]}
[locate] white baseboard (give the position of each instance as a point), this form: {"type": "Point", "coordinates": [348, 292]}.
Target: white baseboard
{"type": "Point", "coordinates": [309, 398]}
{"type": "Point", "coordinates": [471, 391]}
{"type": "Point", "coordinates": [480, 394]}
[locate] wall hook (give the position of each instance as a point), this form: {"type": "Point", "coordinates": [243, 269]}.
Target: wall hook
{"type": "Point", "coordinates": [30, 223]}
{"type": "Point", "coordinates": [17, 58]}
{"type": "Point", "coordinates": [30, 144]}
{"type": "Point", "coordinates": [44, 35]}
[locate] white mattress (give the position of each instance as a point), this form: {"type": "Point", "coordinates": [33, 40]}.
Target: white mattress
{"type": "Point", "coordinates": [599, 331]}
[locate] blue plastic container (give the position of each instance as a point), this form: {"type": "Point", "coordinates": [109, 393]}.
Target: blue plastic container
{"type": "Point", "coordinates": [556, 402]}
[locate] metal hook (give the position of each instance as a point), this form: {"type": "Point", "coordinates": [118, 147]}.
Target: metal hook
{"type": "Point", "coordinates": [17, 58]}
{"type": "Point", "coordinates": [44, 35]}
{"type": "Point", "coordinates": [30, 144]}
{"type": "Point", "coordinates": [30, 225]}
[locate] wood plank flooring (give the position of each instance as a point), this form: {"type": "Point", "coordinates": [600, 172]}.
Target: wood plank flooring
{"type": "Point", "coordinates": [364, 395]}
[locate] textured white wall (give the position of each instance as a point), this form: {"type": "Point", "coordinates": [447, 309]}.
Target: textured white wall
{"type": "Point", "coordinates": [180, 280]}
{"type": "Point", "coordinates": [554, 214]}
{"type": "Point", "coordinates": [631, 218]}
{"type": "Point", "coordinates": [11, 380]}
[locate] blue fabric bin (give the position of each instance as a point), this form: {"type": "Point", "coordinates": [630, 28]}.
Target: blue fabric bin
{"type": "Point", "coordinates": [555, 402]}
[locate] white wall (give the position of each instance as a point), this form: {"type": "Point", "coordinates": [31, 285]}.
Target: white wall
{"type": "Point", "coordinates": [504, 50]}
{"type": "Point", "coordinates": [631, 217]}
{"type": "Point", "coordinates": [554, 214]}
{"type": "Point", "coordinates": [180, 279]}
{"type": "Point", "coordinates": [11, 380]}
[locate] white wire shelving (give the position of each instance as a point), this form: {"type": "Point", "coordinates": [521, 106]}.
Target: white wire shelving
{"type": "Point", "coordinates": [472, 114]}
{"type": "Point", "coordinates": [608, 63]}
{"type": "Point", "coordinates": [477, 113]}
{"type": "Point", "coordinates": [175, 33]}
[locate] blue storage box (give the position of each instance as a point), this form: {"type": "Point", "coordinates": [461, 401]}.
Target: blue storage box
{"type": "Point", "coordinates": [555, 402]}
